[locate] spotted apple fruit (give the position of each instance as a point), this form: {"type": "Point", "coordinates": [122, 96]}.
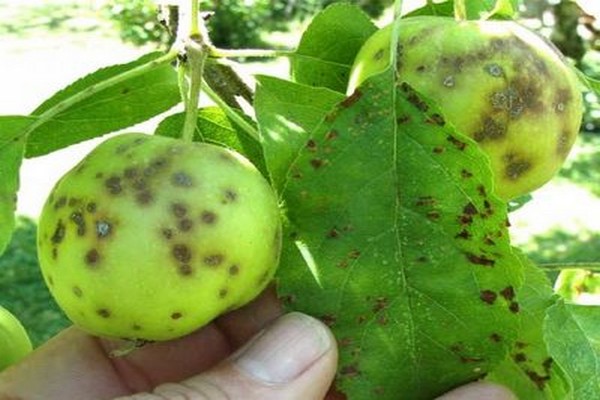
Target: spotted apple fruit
{"type": "Point", "coordinates": [496, 82]}
{"type": "Point", "coordinates": [14, 340]}
{"type": "Point", "coordinates": [150, 238]}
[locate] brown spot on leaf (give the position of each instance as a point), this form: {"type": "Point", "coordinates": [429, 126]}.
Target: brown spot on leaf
{"type": "Point", "coordinates": [496, 338]}
{"type": "Point", "coordinates": [350, 100]}
{"type": "Point", "coordinates": [520, 357]}
{"type": "Point", "coordinates": [514, 307]}
{"type": "Point", "coordinates": [488, 296]}
{"type": "Point", "coordinates": [350, 371]}
{"type": "Point", "coordinates": [480, 260]}
{"type": "Point", "coordinates": [459, 144]}
{"type": "Point", "coordinates": [508, 293]}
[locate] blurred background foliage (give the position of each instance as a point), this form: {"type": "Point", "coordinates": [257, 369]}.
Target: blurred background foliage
{"type": "Point", "coordinates": [255, 23]}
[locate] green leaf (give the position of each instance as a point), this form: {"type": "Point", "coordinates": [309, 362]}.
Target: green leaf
{"type": "Point", "coordinates": [589, 82]}
{"type": "Point", "coordinates": [80, 117]}
{"type": "Point", "coordinates": [406, 253]}
{"type": "Point", "coordinates": [484, 9]}
{"type": "Point", "coordinates": [573, 336]}
{"type": "Point", "coordinates": [329, 45]}
{"type": "Point", "coordinates": [215, 127]}
{"type": "Point", "coordinates": [12, 148]}
{"type": "Point", "coordinates": [286, 113]}
{"type": "Point", "coordinates": [529, 370]}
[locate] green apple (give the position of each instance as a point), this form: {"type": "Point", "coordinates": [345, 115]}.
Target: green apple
{"type": "Point", "coordinates": [496, 82]}
{"type": "Point", "coordinates": [150, 238]}
{"type": "Point", "coordinates": [14, 341]}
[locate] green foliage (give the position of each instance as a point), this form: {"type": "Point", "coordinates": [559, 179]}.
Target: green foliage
{"type": "Point", "coordinates": [574, 341]}
{"type": "Point", "coordinates": [329, 45]}
{"type": "Point", "coordinates": [71, 115]}
{"type": "Point", "coordinates": [137, 21]}
{"type": "Point", "coordinates": [22, 288]}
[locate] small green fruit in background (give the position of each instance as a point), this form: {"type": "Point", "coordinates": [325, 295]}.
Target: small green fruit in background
{"type": "Point", "coordinates": [150, 238]}
{"type": "Point", "coordinates": [14, 341]}
{"type": "Point", "coordinates": [495, 81]}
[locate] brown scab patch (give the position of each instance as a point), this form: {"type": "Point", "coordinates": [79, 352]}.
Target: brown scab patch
{"type": "Point", "coordinates": [59, 233]}
{"type": "Point", "coordinates": [131, 173]}
{"type": "Point", "coordinates": [91, 207]}
{"type": "Point", "coordinates": [113, 185]}
{"type": "Point", "coordinates": [488, 296]}
{"type": "Point", "coordinates": [181, 253]}
{"type": "Point", "coordinates": [77, 291]}
{"type": "Point", "coordinates": [214, 260]}
{"type": "Point", "coordinates": [519, 357]}
{"type": "Point", "coordinates": [229, 196]}
{"type": "Point", "coordinates": [167, 233]}
{"type": "Point", "coordinates": [144, 197]}
{"type": "Point", "coordinates": [182, 179]}
{"type": "Point", "coordinates": [223, 293]}
{"type": "Point", "coordinates": [208, 217]}
{"type": "Point", "coordinates": [176, 315]}
{"type": "Point", "coordinates": [92, 258]}
{"type": "Point", "coordinates": [466, 174]}
{"type": "Point", "coordinates": [539, 380]}
{"type": "Point", "coordinates": [103, 312]}
{"type": "Point", "coordinates": [79, 221]}
{"type": "Point", "coordinates": [514, 307]}
{"type": "Point", "coordinates": [515, 166]}
{"type": "Point", "coordinates": [185, 225]}
{"type": "Point", "coordinates": [179, 210]}
{"type": "Point", "coordinates": [491, 130]}
{"type": "Point", "coordinates": [234, 270]}
{"type": "Point", "coordinates": [413, 97]}
{"type": "Point", "coordinates": [185, 270]}
{"type": "Point", "coordinates": [60, 203]}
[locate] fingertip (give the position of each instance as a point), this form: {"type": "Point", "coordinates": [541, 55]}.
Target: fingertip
{"type": "Point", "coordinates": [479, 391]}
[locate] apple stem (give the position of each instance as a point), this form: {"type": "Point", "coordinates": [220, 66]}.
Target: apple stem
{"type": "Point", "coordinates": [196, 50]}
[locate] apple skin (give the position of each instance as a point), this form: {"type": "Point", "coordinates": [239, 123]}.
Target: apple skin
{"type": "Point", "coordinates": [497, 82]}
{"type": "Point", "coordinates": [14, 340]}
{"type": "Point", "coordinates": [150, 238]}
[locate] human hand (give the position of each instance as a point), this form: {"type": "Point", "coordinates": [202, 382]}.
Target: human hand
{"type": "Point", "coordinates": [255, 352]}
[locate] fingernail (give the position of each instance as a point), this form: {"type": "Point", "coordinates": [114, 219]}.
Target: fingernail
{"type": "Point", "coordinates": [286, 349]}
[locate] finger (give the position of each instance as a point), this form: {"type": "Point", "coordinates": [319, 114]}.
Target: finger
{"type": "Point", "coordinates": [76, 365]}
{"type": "Point", "coordinates": [294, 358]}
{"type": "Point", "coordinates": [478, 391]}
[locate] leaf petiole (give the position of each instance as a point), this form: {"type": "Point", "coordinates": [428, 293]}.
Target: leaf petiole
{"type": "Point", "coordinates": [590, 266]}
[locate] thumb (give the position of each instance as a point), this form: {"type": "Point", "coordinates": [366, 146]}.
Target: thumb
{"type": "Point", "coordinates": [293, 358]}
